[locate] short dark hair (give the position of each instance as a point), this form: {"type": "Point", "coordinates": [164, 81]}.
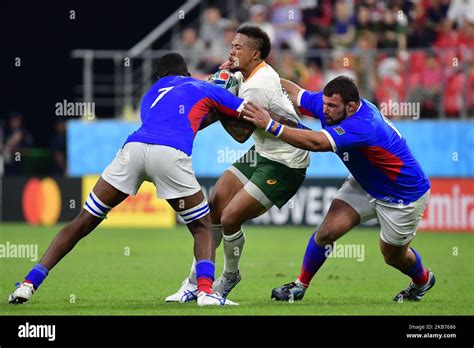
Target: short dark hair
{"type": "Point", "coordinates": [345, 87]}
{"type": "Point", "coordinates": [171, 64]}
{"type": "Point", "coordinates": [261, 38]}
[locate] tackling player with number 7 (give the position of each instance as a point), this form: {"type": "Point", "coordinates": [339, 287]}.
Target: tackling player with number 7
{"type": "Point", "coordinates": [172, 111]}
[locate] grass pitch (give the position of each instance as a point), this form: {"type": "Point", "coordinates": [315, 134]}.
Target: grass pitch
{"type": "Point", "coordinates": [131, 271]}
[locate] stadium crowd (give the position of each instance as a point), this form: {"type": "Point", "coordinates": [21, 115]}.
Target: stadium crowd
{"type": "Point", "coordinates": [419, 51]}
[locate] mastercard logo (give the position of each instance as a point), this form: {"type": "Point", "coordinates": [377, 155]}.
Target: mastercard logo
{"type": "Point", "coordinates": [41, 201]}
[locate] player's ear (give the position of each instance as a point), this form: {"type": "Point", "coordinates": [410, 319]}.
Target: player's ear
{"type": "Point", "coordinates": [351, 107]}
{"type": "Point", "coordinates": [256, 55]}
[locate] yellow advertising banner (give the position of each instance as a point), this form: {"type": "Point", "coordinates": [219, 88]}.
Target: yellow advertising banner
{"type": "Point", "coordinates": [142, 210]}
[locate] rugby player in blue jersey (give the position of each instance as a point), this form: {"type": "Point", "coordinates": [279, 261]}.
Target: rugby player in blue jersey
{"type": "Point", "coordinates": [172, 111]}
{"type": "Point", "coordinates": [386, 181]}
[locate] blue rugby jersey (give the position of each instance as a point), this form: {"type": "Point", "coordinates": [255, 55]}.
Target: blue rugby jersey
{"type": "Point", "coordinates": [173, 108]}
{"type": "Point", "coordinates": [373, 150]}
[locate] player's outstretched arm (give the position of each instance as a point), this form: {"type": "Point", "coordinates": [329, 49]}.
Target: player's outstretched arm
{"type": "Point", "coordinates": [292, 89]}
{"type": "Point", "coordinates": [304, 139]}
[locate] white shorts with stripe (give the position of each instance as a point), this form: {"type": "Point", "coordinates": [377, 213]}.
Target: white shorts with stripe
{"type": "Point", "coordinates": [398, 222]}
{"type": "Point", "coordinates": [169, 169]}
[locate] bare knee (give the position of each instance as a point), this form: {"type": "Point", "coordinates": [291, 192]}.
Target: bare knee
{"type": "Point", "coordinates": [325, 236]}
{"type": "Point", "coordinates": [394, 259]}
{"type": "Point", "coordinates": [84, 223]}
{"type": "Point", "coordinates": [230, 221]}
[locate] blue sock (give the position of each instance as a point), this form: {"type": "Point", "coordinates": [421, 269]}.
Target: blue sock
{"type": "Point", "coordinates": [417, 272]}
{"type": "Point", "coordinates": [205, 275]}
{"type": "Point", "coordinates": [37, 274]}
{"type": "Point", "coordinates": [314, 257]}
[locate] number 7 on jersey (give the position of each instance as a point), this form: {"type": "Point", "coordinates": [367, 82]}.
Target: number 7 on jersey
{"type": "Point", "coordinates": [163, 91]}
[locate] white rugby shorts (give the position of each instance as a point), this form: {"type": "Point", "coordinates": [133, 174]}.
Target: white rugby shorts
{"type": "Point", "coordinates": [168, 168]}
{"type": "Point", "coordinates": [398, 222]}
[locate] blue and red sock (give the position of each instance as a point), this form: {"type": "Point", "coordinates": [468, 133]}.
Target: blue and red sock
{"type": "Point", "coordinates": [313, 259]}
{"type": "Point", "coordinates": [36, 276]}
{"type": "Point", "coordinates": [205, 275]}
{"type": "Point", "coordinates": [418, 274]}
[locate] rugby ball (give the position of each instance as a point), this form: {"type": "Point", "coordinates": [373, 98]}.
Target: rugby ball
{"type": "Point", "coordinates": [227, 80]}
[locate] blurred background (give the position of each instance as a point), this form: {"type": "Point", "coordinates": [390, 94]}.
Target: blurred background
{"type": "Point", "coordinates": [76, 74]}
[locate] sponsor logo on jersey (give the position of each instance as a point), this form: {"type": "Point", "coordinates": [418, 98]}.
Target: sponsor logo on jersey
{"type": "Point", "coordinates": [339, 130]}
{"type": "Point", "coordinates": [271, 181]}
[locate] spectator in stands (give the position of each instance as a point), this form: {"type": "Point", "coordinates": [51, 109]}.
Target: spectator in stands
{"type": "Point", "coordinates": [466, 36]}
{"type": "Point", "coordinates": [447, 42]}
{"type": "Point", "coordinates": [389, 73]}
{"type": "Point", "coordinates": [392, 33]}
{"type": "Point", "coordinates": [315, 78]}
{"type": "Point", "coordinates": [218, 51]}
{"type": "Point", "coordinates": [286, 18]}
{"type": "Point", "coordinates": [291, 68]}
{"type": "Point", "coordinates": [343, 29]}
{"type": "Point", "coordinates": [258, 17]}
{"type": "Point", "coordinates": [213, 26]}
{"type": "Point", "coordinates": [436, 13]}
{"type": "Point", "coordinates": [364, 61]}
{"type": "Point", "coordinates": [459, 11]}
{"type": "Point", "coordinates": [376, 9]}
{"type": "Point", "coordinates": [191, 47]}
{"type": "Point", "coordinates": [340, 64]}
{"type": "Point", "coordinates": [419, 33]}
{"type": "Point", "coordinates": [317, 18]}
{"type": "Point", "coordinates": [429, 90]}
{"type": "Point", "coordinates": [58, 148]}
{"type": "Point", "coordinates": [17, 140]}
{"type": "Point", "coordinates": [364, 22]}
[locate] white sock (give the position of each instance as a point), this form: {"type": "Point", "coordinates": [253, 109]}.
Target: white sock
{"type": "Point", "coordinates": [233, 246]}
{"type": "Point", "coordinates": [217, 234]}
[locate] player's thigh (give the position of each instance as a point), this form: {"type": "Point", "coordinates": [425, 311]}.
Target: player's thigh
{"type": "Point", "coordinates": [231, 182]}
{"type": "Point", "coordinates": [241, 208]}
{"type": "Point", "coordinates": [399, 222]}
{"type": "Point", "coordinates": [171, 171]}
{"type": "Point", "coordinates": [126, 172]}
{"type": "Point", "coordinates": [339, 220]}
{"type": "Point", "coordinates": [122, 177]}
{"type": "Point", "coordinates": [108, 194]}
{"type": "Point", "coordinates": [273, 183]}
{"type": "Point", "coordinates": [224, 190]}
{"type": "Point", "coordinates": [350, 206]}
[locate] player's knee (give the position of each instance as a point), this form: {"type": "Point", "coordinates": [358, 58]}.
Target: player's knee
{"type": "Point", "coordinates": [85, 222]}
{"type": "Point", "coordinates": [217, 204]}
{"type": "Point", "coordinates": [230, 219]}
{"type": "Point", "coordinates": [325, 237]}
{"type": "Point", "coordinates": [391, 259]}
{"type": "Point", "coordinates": [215, 211]}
